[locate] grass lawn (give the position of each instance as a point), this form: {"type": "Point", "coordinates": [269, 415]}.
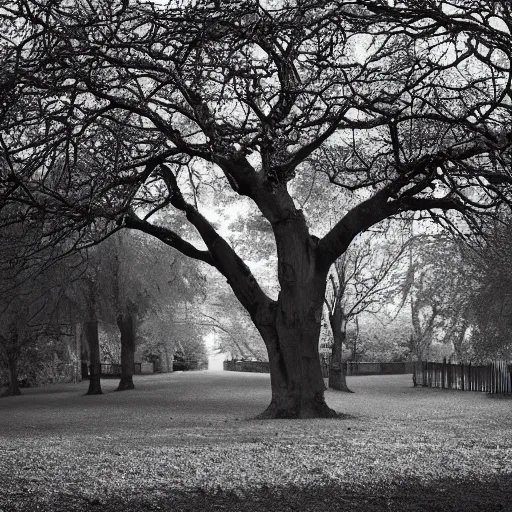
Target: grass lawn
{"type": "Point", "coordinates": [187, 442]}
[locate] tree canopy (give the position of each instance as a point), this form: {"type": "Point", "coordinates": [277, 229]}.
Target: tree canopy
{"type": "Point", "coordinates": [113, 110]}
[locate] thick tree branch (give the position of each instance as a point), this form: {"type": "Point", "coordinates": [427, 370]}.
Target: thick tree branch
{"type": "Point", "coordinates": [370, 212]}
{"type": "Point", "coordinates": [425, 203]}
{"type": "Point", "coordinates": [224, 258]}
{"type": "Point", "coordinates": [167, 236]}
{"type": "Point", "coordinates": [357, 220]}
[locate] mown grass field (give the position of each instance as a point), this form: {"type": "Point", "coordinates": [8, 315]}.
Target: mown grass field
{"type": "Point", "coordinates": [188, 442]}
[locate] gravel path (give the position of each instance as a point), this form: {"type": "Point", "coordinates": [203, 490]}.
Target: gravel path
{"type": "Point", "coordinates": [188, 441]}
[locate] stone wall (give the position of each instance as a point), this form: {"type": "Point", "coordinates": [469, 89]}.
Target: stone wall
{"type": "Point", "coordinates": [351, 368]}
{"type": "Point", "coordinates": [247, 366]}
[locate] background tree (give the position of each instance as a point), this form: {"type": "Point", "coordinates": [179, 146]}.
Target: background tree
{"type": "Point", "coordinates": [437, 290]}
{"type": "Point", "coordinates": [31, 292]}
{"type": "Point", "coordinates": [385, 339]}
{"type": "Point", "coordinates": [93, 310]}
{"type": "Point", "coordinates": [139, 277]}
{"type": "Point", "coordinates": [490, 305]}
{"type": "Point", "coordinates": [362, 280]}
{"type": "Point", "coordinates": [407, 98]}
{"type": "Point", "coordinates": [169, 332]}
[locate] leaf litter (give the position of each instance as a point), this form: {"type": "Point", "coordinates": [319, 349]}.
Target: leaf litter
{"type": "Point", "coordinates": [403, 449]}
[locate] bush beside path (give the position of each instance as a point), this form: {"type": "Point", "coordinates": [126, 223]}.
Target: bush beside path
{"type": "Point", "coordinates": [187, 442]}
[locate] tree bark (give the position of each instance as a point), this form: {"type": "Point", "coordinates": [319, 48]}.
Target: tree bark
{"type": "Point", "coordinates": [93, 341]}
{"type": "Point", "coordinates": [126, 324]}
{"type": "Point", "coordinates": [84, 353]}
{"type": "Point", "coordinates": [11, 349]}
{"type": "Point", "coordinates": [12, 367]}
{"type": "Point", "coordinates": [167, 358]}
{"type": "Point", "coordinates": [337, 377]}
{"type": "Point", "coordinates": [292, 339]}
{"type": "Point", "coordinates": [295, 375]}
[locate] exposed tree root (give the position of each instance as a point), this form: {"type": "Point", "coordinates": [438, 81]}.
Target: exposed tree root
{"type": "Point", "coordinates": [314, 409]}
{"type": "Point", "coordinates": [94, 389]}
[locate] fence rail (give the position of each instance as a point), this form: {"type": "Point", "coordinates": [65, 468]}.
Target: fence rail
{"type": "Point", "coordinates": [492, 378]}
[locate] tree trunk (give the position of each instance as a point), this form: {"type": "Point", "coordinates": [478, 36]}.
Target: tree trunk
{"type": "Point", "coordinates": [295, 377]}
{"type": "Point", "coordinates": [84, 353]}
{"type": "Point", "coordinates": [12, 367]}
{"type": "Point", "coordinates": [337, 377]}
{"type": "Point", "coordinates": [292, 338]}
{"type": "Point", "coordinates": [356, 339]}
{"type": "Point", "coordinates": [93, 341]}
{"type": "Point", "coordinates": [11, 348]}
{"type": "Point", "coordinates": [167, 358]}
{"type": "Point", "coordinates": [126, 324]}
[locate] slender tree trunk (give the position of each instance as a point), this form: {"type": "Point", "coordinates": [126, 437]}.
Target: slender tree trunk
{"type": "Point", "coordinates": [126, 324]}
{"type": "Point", "coordinates": [356, 339]}
{"type": "Point", "coordinates": [167, 358]}
{"type": "Point", "coordinates": [84, 353]}
{"type": "Point", "coordinates": [11, 353]}
{"type": "Point", "coordinates": [337, 378]}
{"type": "Point", "coordinates": [91, 333]}
{"type": "Point", "coordinates": [12, 368]}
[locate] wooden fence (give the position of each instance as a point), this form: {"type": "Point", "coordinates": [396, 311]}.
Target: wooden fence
{"type": "Point", "coordinates": [492, 378]}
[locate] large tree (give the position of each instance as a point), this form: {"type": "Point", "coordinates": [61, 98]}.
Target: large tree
{"type": "Point", "coordinates": [403, 97]}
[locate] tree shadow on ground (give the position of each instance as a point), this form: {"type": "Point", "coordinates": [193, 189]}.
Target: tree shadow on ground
{"type": "Point", "coordinates": [445, 495]}
{"type": "Point", "coordinates": [496, 396]}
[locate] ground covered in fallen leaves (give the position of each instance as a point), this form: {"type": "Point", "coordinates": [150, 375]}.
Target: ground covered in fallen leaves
{"type": "Point", "coordinates": [188, 442]}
